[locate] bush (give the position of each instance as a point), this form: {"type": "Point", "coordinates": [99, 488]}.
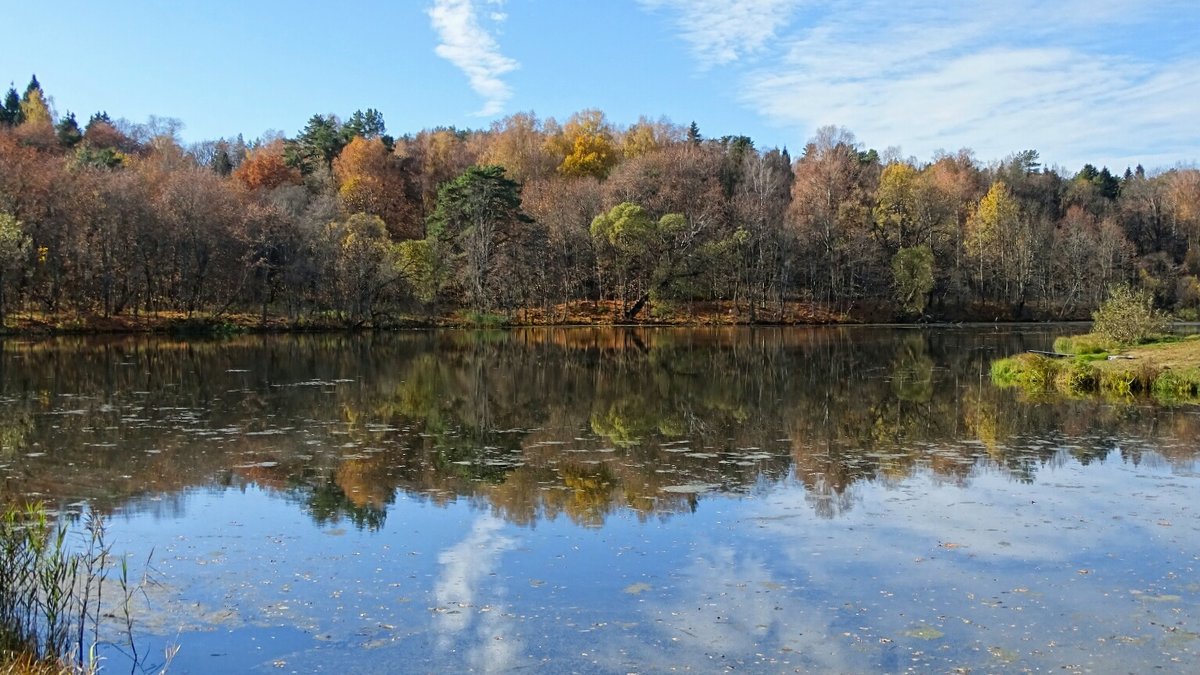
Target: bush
{"type": "Point", "coordinates": [1128, 316]}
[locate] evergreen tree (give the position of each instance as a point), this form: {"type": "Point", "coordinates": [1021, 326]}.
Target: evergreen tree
{"type": "Point", "coordinates": [10, 114]}
{"type": "Point", "coordinates": [68, 131]}
{"type": "Point", "coordinates": [693, 134]}
{"type": "Point", "coordinates": [368, 124]}
{"type": "Point", "coordinates": [221, 162]}
{"type": "Point", "coordinates": [98, 118]}
{"type": "Point", "coordinates": [319, 144]}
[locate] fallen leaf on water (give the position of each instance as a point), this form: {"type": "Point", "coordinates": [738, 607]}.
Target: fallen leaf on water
{"type": "Point", "coordinates": [634, 589]}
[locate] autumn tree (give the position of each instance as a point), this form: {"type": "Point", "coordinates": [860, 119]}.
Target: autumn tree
{"type": "Point", "coordinates": [586, 145]}
{"type": "Point", "coordinates": [35, 109]}
{"type": "Point", "coordinates": [266, 168]}
{"type": "Point", "coordinates": [760, 206]}
{"type": "Point", "coordinates": [439, 156]}
{"type": "Point", "coordinates": [370, 179]}
{"type": "Point", "coordinates": [518, 143]}
{"type": "Point", "coordinates": [1003, 241]}
{"type": "Point", "coordinates": [565, 207]}
{"type": "Point", "coordinates": [648, 136]}
{"type": "Point", "coordinates": [912, 277]}
{"type": "Point", "coordinates": [360, 264]}
{"type": "Point", "coordinates": [831, 217]}
{"type": "Point", "coordinates": [1090, 255]}
{"type": "Point", "coordinates": [14, 245]}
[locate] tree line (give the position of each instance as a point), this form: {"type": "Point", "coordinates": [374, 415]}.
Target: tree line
{"type": "Point", "coordinates": [345, 224]}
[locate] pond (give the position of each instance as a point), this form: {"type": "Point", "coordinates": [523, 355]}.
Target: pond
{"type": "Point", "coordinates": [853, 499]}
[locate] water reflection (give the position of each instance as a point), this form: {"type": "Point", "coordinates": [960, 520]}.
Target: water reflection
{"type": "Point", "coordinates": [539, 424]}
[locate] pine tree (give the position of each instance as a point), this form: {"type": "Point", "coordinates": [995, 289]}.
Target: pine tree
{"type": "Point", "coordinates": [68, 131]}
{"type": "Point", "coordinates": [11, 113]}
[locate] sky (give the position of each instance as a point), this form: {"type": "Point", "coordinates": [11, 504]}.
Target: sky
{"type": "Point", "coordinates": [1109, 82]}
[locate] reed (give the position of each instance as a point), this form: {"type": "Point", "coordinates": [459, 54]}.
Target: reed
{"type": "Point", "coordinates": [50, 593]}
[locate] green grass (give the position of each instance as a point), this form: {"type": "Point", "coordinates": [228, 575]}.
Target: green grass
{"type": "Point", "coordinates": [1081, 345]}
{"type": "Point", "coordinates": [1092, 374]}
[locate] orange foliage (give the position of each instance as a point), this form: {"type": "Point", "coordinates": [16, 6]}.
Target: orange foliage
{"type": "Point", "coordinates": [265, 169]}
{"type": "Point", "coordinates": [374, 181]}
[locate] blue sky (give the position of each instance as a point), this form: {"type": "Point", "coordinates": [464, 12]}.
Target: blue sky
{"type": "Point", "coordinates": [1108, 82]}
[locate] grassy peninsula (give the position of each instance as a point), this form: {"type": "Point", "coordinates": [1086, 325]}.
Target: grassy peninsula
{"type": "Point", "coordinates": [1130, 351]}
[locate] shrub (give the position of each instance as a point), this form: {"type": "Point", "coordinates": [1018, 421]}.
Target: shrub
{"type": "Point", "coordinates": [1128, 316]}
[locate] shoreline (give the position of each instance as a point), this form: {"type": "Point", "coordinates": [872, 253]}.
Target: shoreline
{"type": "Point", "coordinates": [580, 314]}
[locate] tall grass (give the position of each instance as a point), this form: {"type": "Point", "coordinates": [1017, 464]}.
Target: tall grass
{"type": "Point", "coordinates": [50, 593]}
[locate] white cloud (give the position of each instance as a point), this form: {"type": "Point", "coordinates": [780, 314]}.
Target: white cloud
{"type": "Point", "coordinates": [723, 31]}
{"type": "Point", "coordinates": [1075, 80]}
{"type": "Point", "coordinates": [467, 44]}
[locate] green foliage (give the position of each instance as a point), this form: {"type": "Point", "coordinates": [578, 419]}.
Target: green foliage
{"type": "Point", "coordinates": [912, 275]}
{"type": "Point", "coordinates": [317, 145]}
{"type": "Point", "coordinates": [485, 320]}
{"type": "Point", "coordinates": [68, 131]}
{"type": "Point", "coordinates": [10, 114]}
{"type": "Point", "coordinates": [1090, 343]}
{"type": "Point", "coordinates": [422, 263]}
{"type": "Point", "coordinates": [1128, 316]}
{"type": "Point", "coordinates": [1076, 377]}
{"type": "Point", "coordinates": [14, 247]}
{"type": "Point", "coordinates": [102, 158]}
{"type": "Point", "coordinates": [368, 124]}
{"type": "Point", "coordinates": [1028, 371]}
{"type": "Point", "coordinates": [1177, 386]}
{"type": "Point", "coordinates": [478, 214]}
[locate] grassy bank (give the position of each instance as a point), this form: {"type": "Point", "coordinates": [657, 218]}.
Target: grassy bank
{"type": "Point", "coordinates": [1167, 369]}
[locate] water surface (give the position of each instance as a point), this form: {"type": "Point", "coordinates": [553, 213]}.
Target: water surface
{"type": "Point", "coordinates": [617, 500]}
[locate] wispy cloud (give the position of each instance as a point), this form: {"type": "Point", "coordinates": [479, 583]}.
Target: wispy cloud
{"type": "Point", "coordinates": [470, 46]}
{"type": "Point", "coordinates": [1080, 81]}
{"type": "Point", "coordinates": [723, 31]}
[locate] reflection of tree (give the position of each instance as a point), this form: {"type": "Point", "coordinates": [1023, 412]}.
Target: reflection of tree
{"type": "Point", "coordinates": [535, 424]}
{"type": "Point", "coordinates": [327, 502]}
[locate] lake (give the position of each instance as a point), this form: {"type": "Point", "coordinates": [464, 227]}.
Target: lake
{"type": "Point", "coordinates": [846, 499]}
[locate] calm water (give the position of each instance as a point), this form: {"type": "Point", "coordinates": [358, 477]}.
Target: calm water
{"type": "Point", "coordinates": [617, 501]}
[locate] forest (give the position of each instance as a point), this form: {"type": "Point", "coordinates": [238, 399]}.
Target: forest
{"type": "Point", "coordinates": [537, 221]}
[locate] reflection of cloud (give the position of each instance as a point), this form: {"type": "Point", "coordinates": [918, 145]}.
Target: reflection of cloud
{"type": "Point", "coordinates": [473, 50]}
{"type": "Point", "coordinates": [924, 568]}
{"type": "Point", "coordinates": [737, 610]}
{"type": "Point", "coordinates": [457, 592]}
